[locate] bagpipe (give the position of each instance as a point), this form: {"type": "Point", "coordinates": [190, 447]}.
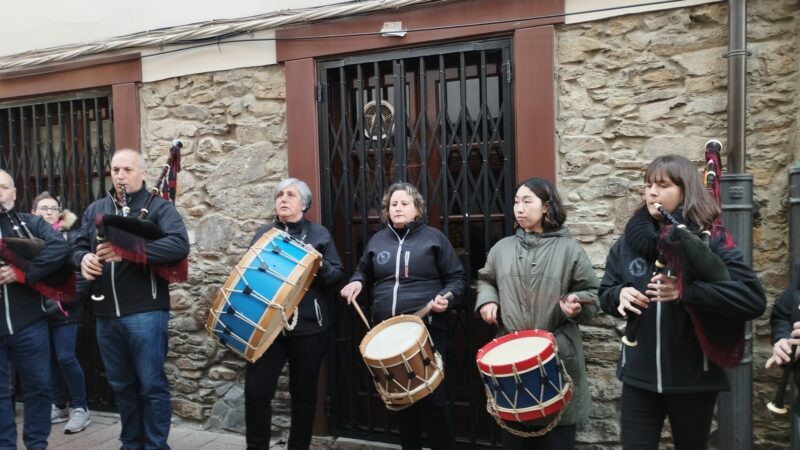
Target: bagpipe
{"type": "Point", "coordinates": [129, 235]}
{"type": "Point", "coordinates": [19, 250]}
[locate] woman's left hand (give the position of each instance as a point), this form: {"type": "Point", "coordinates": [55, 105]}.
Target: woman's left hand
{"type": "Point", "coordinates": [439, 304]}
{"type": "Point", "coordinates": [662, 288]}
{"type": "Point", "coordinates": [570, 305]}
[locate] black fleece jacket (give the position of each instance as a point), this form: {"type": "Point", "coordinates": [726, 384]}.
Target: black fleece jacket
{"type": "Point", "coordinates": [130, 287]}
{"type": "Point", "coordinates": [21, 305]}
{"type": "Point", "coordinates": [668, 357]}
{"type": "Point", "coordinates": [315, 308]}
{"type": "Point", "coordinates": [406, 268]}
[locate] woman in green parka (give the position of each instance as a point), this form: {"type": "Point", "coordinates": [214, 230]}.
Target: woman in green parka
{"type": "Point", "coordinates": [541, 278]}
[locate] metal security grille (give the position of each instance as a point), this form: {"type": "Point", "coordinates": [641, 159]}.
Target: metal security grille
{"type": "Point", "coordinates": [59, 145]}
{"type": "Point", "coordinates": [440, 118]}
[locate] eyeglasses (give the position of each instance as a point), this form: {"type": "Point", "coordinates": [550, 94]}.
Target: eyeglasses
{"type": "Point", "coordinates": [45, 209]}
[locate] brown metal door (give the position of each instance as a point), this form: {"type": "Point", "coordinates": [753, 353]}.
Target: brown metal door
{"type": "Point", "coordinates": [440, 118]}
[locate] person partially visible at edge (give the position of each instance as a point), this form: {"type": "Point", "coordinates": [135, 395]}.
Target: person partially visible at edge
{"type": "Point", "coordinates": [541, 278]}
{"type": "Point", "coordinates": [305, 346]}
{"type": "Point", "coordinates": [687, 330]}
{"type": "Point", "coordinates": [133, 318]}
{"type": "Point", "coordinates": [24, 334]}
{"type": "Point", "coordinates": [405, 266]}
{"type": "Point", "coordinates": [785, 322]}
{"type": "Point", "coordinates": [66, 372]}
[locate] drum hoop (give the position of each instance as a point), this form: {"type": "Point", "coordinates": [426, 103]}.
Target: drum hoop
{"type": "Point", "coordinates": [407, 353]}
{"type": "Point", "coordinates": [429, 384]}
{"type": "Point", "coordinates": [520, 366]}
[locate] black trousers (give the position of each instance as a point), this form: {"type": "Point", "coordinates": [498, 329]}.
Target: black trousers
{"type": "Point", "coordinates": [643, 414]}
{"type": "Point", "coordinates": [561, 437]}
{"type": "Point", "coordinates": [305, 355]}
{"type": "Point", "coordinates": [432, 413]}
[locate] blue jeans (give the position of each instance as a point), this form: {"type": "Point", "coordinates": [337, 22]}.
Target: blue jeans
{"type": "Point", "coordinates": [134, 350]}
{"type": "Point", "coordinates": [66, 370]}
{"type": "Point", "coordinates": [29, 350]}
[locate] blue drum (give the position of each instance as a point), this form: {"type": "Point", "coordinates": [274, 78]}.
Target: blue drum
{"type": "Point", "coordinates": [262, 293]}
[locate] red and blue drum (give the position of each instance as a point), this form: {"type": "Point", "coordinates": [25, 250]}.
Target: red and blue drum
{"type": "Point", "coordinates": [523, 376]}
{"type": "Point", "coordinates": [261, 294]}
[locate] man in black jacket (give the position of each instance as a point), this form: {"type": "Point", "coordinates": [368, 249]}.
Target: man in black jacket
{"type": "Point", "coordinates": [24, 337]}
{"type": "Point", "coordinates": [133, 317]}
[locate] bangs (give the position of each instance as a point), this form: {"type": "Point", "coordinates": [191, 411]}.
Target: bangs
{"type": "Point", "coordinates": [660, 171]}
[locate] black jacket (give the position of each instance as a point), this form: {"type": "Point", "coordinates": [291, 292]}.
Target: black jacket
{"type": "Point", "coordinates": [130, 287]}
{"type": "Point", "coordinates": [668, 357]}
{"type": "Point", "coordinates": [20, 304]}
{"type": "Point", "coordinates": [407, 268]}
{"type": "Point", "coordinates": [785, 313]}
{"type": "Point", "coordinates": [315, 308]}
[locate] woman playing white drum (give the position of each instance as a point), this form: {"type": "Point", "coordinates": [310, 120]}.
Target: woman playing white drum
{"type": "Point", "coordinates": [405, 266]}
{"type": "Point", "coordinates": [541, 278]}
{"type": "Point", "coordinates": [304, 346]}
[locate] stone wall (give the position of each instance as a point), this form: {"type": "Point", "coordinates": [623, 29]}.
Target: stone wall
{"type": "Point", "coordinates": [634, 87]}
{"type": "Point", "coordinates": [233, 128]}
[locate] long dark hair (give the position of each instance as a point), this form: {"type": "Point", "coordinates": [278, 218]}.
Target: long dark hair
{"type": "Point", "coordinates": [556, 214]}
{"type": "Point", "coordinates": [698, 205]}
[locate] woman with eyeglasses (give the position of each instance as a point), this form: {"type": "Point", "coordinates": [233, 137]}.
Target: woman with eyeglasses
{"type": "Point", "coordinates": [64, 320]}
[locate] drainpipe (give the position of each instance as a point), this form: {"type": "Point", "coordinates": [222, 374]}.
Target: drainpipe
{"type": "Point", "coordinates": [735, 407]}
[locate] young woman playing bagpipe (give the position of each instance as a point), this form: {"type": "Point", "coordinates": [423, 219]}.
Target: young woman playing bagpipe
{"type": "Point", "coordinates": [692, 323]}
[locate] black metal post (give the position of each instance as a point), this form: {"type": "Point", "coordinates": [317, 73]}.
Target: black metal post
{"type": "Point", "coordinates": [735, 407]}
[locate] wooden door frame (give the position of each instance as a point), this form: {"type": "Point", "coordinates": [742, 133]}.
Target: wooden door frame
{"type": "Point", "coordinates": [530, 25]}
{"type": "Point", "coordinates": [123, 73]}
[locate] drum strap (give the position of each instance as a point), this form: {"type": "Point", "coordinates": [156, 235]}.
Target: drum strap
{"type": "Point", "coordinates": [304, 228]}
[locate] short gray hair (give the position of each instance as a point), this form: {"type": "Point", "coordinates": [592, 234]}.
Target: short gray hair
{"type": "Point", "coordinates": [302, 188]}
{"type": "Point", "coordinates": [140, 159]}
{"type": "Point", "coordinates": [13, 184]}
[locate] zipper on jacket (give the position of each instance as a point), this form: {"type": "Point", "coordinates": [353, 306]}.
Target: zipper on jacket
{"type": "Point", "coordinates": [397, 269]}
{"type": "Point", "coordinates": [114, 287]}
{"type": "Point", "coordinates": [659, 385]}
{"type": "Point", "coordinates": [8, 312]}
{"type": "Point", "coordinates": [705, 363]}
{"type": "Point", "coordinates": [318, 310]}
{"type": "Point", "coordinates": [153, 290]}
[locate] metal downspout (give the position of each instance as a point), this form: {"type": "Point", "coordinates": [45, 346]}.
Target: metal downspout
{"type": "Point", "coordinates": [735, 407]}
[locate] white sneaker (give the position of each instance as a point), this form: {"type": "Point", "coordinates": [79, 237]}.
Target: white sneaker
{"type": "Point", "coordinates": [78, 420]}
{"type": "Point", "coordinates": [58, 415]}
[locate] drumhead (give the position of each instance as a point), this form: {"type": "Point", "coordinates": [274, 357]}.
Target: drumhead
{"type": "Point", "coordinates": [393, 340]}
{"type": "Point", "coordinates": [515, 350]}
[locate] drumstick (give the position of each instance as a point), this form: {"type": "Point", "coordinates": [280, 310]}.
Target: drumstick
{"type": "Point", "coordinates": [427, 308]}
{"type": "Point", "coordinates": [360, 313]}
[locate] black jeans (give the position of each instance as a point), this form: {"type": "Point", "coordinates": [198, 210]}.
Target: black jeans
{"type": "Point", "coordinates": [431, 413]}
{"type": "Point", "coordinates": [561, 437]}
{"type": "Point", "coordinates": [643, 414]}
{"type": "Point", "coordinates": [305, 355]}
